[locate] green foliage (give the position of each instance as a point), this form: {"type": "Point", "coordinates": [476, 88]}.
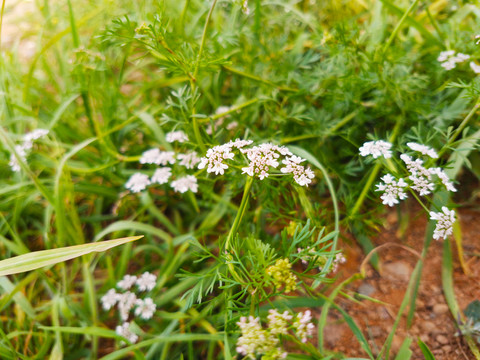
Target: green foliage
{"type": "Point", "coordinates": [109, 81]}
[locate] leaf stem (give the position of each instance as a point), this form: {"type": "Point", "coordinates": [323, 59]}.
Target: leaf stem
{"type": "Point", "coordinates": [241, 211]}
{"type": "Point", "coordinates": [373, 175]}
{"type": "Point", "coordinates": [399, 25]}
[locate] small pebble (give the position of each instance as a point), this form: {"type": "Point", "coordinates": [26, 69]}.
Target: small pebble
{"type": "Point", "coordinates": [442, 339]}
{"type": "Point", "coordinates": [366, 289]}
{"type": "Point", "coordinates": [440, 309]}
{"type": "Point", "coordinates": [428, 326]}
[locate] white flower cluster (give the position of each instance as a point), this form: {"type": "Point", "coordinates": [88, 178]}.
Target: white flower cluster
{"type": "Point", "coordinates": [421, 178]}
{"type": "Point", "coordinates": [262, 159]}
{"type": "Point", "coordinates": [255, 340]}
{"type": "Point", "coordinates": [392, 190]}
{"type": "Point", "coordinates": [126, 301]}
{"type": "Point", "coordinates": [422, 181]}
{"type": "Point", "coordinates": [258, 341]}
{"type": "Point", "coordinates": [339, 259]}
{"type": "Point", "coordinates": [424, 150]}
{"type": "Point", "coordinates": [449, 59]}
{"type": "Point", "coordinates": [445, 220]}
{"type": "Point", "coordinates": [302, 176]}
{"type": "Point", "coordinates": [173, 136]}
{"type": "Point", "coordinates": [215, 157]}
{"type": "Point", "coordinates": [475, 68]}
{"type": "Point", "coordinates": [139, 181]}
{"type": "Point", "coordinates": [26, 145]}
{"type": "Point", "coordinates": [376, 149]}
{"type": "Point", "coordinates": [303, 325]}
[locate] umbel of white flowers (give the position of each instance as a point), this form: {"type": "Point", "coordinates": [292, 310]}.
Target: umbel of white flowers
{"type": "Point", "coordinates": [144, 308]}
{"type": "Point", "coordinates": [139, 181]}
{"type": "Point", "coordinates": [262, 159]}
{"type": "Point", "coordinates": [421, 179]}
{"type": "Point", "coordinates": [24, 148]}
{"type": "Point", "coordinates": [256, 340]}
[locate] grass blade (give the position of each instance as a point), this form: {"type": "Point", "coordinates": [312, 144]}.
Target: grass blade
{"type": "Point", "coordinates": [38, 259]}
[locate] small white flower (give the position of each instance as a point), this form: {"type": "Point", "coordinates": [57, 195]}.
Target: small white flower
{"type": "Point", "coordinates": [425, 150]}
{"type": "Point", "coordinates": [303, 325]}
{"type": "Point", "coordinates": [252, 336]}
{"type": "Point", "coordinates": [146, 281]}
{"type": "Point", "coordinates": [278, 323]}
{"type": "Point", "coordinates": [393, 190]}
{"type": "Point", "coordinates": [179, 136]}
{"type": "Point", "coordinates": [245, 8]}
{"type": "Point", "coordinates": [124, 330]}
{"type": "Point", "coordinates": [109, 299]}
{"type": "Point", "coordinates": [262, 158]}
{"type": "Point", "coordinates": [462, 57]}
{"type": "Point", "coordinates": [422, 185]}
{"type": "Point", "coordinates": [222, 109]}
{"type": "Point", "coordinates": [475, 67]}
{"type": "Point", "coordinates": [126, 301]}
{"type": "Point", "coordinates": [215, 157]}
{"type": "Point", "coordinates": [240, 143]}
{"type": "Point", "coordinates": [257, 341]}
{"type": "Point", "coordinates": [155, 156]}
{"type": "Point", "coordinates": [443, 177]}
{"type": "Point", "coordinates": [301, 175]}
{"type": "Point", "coordinates": [145, 308]}
{"type": "Point", "coordinates": [445, 220]}
{"type": "Point", "coordinates": [161, 175]}
{"type": "Point", "coordinates": [339, 259]}
{"type": "Point", "coordinates": [34, 135]}
{"type": "Point", "coordinates": [127, 282]}
{"type": "Point", "coordinates": [420, 176]}
{"type": "Point", "coordinates": [449, 60]}
{"type": "Point", "coordinates": [137, 182]}
{"type": "Point", "coordinates": [189, 160]}
{"type": "Point", "coordinates": [444, 55]}
{"type": "Point", "coordinates": [232, 125]}
{"type": "Point", "coordinates": [22, 153]}
{"type": "Point", "coordinates": [185, 183]}
{"type": "Point", "coordinates": [376, 149]}
{"type": "Point", "coordinates": [449, 65]}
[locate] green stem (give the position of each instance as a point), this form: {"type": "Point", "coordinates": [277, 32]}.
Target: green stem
{"type": "Point", "coordinates": [231, 110]}
{"type": "Point", "coordinates": [419, 201]}
{"type": "Point", "coordinates": [182, 16]}
{"type": "Point", "coordinates": [204, 37]}
{"type": "Point", "coordinates": [373, 175]}
{"type": "Point", "coordinates": [259, 79]}
{"type": "Point", "coordinates": [193, 80]}
{"type": "Point", "coordinates": [399, 25]}
{"type": "Point", "coordinates": [236, 223]}
{"type": "Point", "coordinates": [336, 210]}
{"type": "Point", "coordinates": [241, 211]}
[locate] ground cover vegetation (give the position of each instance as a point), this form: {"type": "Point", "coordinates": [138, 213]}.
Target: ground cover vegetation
{"type": "Point", "coordinates": [226, 147]}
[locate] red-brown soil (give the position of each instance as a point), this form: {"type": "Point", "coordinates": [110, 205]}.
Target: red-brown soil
{"type": "Point", "coordinates": [433, 322]}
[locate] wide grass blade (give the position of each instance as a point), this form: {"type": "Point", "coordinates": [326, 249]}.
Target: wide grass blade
{"type": "Point", "coordinates": [38, 259]}
{"type": "Point", "coordinates": [425, 350]}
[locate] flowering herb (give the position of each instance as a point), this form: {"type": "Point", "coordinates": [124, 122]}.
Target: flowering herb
{"type": "Point", "coordinates": [255, 340]}
{"type": "Point", "coordinates": [421, 180]}
{"type": "Point", "coordinates": [128, 300]}
{"type": "Point", "coordinates": [261, 160]}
